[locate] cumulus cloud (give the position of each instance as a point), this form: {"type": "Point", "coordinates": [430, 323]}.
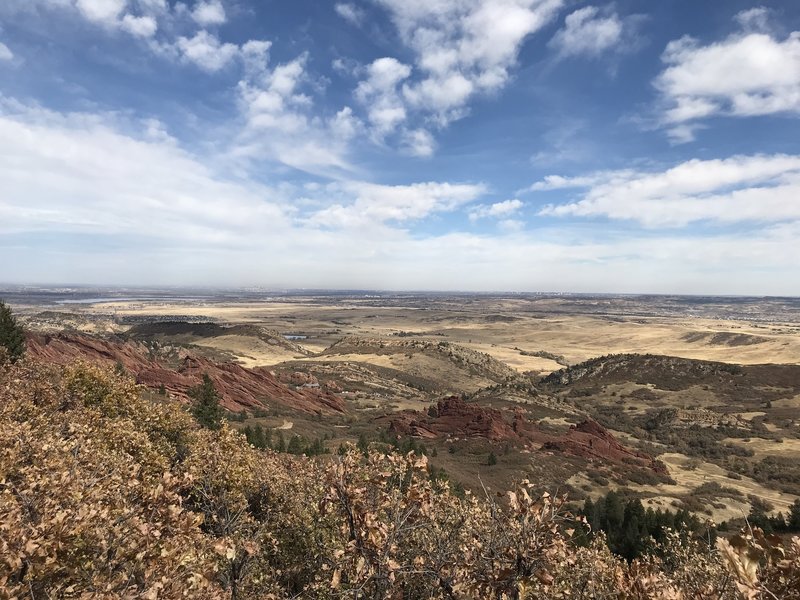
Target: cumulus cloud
{"type": "Point", "coordinates": [419, 142]}
{"type": "Point", "coordinates": [101, 11]}
{"type": "Point", "coordinates": [379, 94]}
{"type": "Point", "coordinates": [498, 210]}
{"type": "Point", "coordinates": [5, 53]}
{"type": "Point", "coordinates": [280, 123]}
{"type": "Point", "coordinates": [206, 51]}
{"type": "Point", "coordinates": [739, 189]}
{"type": "Point", "coordinates": [209, 12]}
{"type": "Point", "coordinates": [461, 48]}
{"type": "Point", "coordinates": [375, 205]}
{"type": "Point", "coordinates": [165, 216]}
{"type": "Point", "coordinates": [350, 12]}
{"type": "Point", "coordinates": [590, 31]}
{"type": "Point", "coordinates": [754, 19]}
{"type": "Point", "coordinates": [750, 73]}
{"type": "Point", "coordinates": [139, 26]}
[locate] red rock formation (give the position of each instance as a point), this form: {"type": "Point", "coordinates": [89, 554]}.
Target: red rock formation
{"type": "Point", "coordinates": [239, 388]}
{"type": "Point", "coordinates": [457, 418]}
{"type": "Point", "coordinates": [472, 420]}
{"type": "Point", "coordinates": [454, 418]}
{"type": "Point", "coordinates": [591, 440]}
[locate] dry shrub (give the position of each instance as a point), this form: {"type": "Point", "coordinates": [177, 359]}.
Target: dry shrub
{"type": "Point", "coordinates": [82, 511]}
{"type": "Point", "coordinates": [106, 495]}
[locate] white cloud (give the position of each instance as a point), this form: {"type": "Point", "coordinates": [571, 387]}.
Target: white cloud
{"type": "Point", "coordinates": [209, 12]}
{"type": "Point", "coordinates": [280, 124]}
{"type": "Point", "coordinates": [754, 19]}
{"type": "Point", "coordinates": [748, 74]}
{"type": "Point", "coordinates": [379, 93]}
{"type": "Point", "coordinates": [271, 100]}
{"type": "Point", "coordinates": [350, 12]}
{"type": "Point", "coordinates": [140, 26]}
{"type": "Point", "coordinates": [206, 51]}
{"type": "Point", "coordinates": [591, 31]}
{"type": "Point", "coordinates": [419, 142]}
{"type": "Point", "coordinates": [255, 54]}
{"type": "Point", "coordinates": [83, 201]}
{"type": "Point", "coordinates": [5, 53]}
{"type": "Point", "coordinates": [740, 189]}
{"type": "Point", "coordinates": [558, 182]}
{"type": "Point", "coordinates": [101, 11]}
{"type": "Point", "coordinates": [100, 181]}
{"type": "Point", "coordinates": [498, 210]}
{"type": "Point", "coordinates": [462, 48]}
{"type": "Point", "coordinates": [375, 205]}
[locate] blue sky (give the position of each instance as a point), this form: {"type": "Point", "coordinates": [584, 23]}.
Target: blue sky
{"type": "Point", "coordinates": [525, 145]}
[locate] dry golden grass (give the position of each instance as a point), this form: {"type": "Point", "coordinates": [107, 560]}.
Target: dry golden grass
{"type": "Point", "coordinates": [764, 447]}
{"type": "Point", "coordinates": [576, 337]}
{"type": "Point", "coordinates": [690, 474]}
{"type": "Point", "coordinates": [250, 351]}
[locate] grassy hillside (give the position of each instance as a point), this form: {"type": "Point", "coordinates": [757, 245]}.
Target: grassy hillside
{"type": "Point", "coordinates": [105, 494]}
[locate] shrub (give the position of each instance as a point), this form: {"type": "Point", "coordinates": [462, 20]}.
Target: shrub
{"type": "Point", "coordinates": [12, 336]}
{"type": "Point", "coordinates": [104, 494]}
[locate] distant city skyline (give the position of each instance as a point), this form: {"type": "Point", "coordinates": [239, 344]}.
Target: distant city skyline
{"type": "Point", "coordinates": [442, 145]}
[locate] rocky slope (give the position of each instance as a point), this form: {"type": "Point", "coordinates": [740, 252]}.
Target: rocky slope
{"type": "Point", "coordinates": [477, 363]}
{"type": "Point", "coordinates": [453, 418]}
{"type": "Point", "coordinates": [744, 386]}
{"type": "Point", "coordinates": [240, 388]}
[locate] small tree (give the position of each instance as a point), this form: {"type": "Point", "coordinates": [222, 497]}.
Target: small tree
{"type": "Point", "coordinates": [206, 409]}
{"type": "Point", "coordinates": [492, 459]}
{"type": "Point", "coordinates": [794, 517]}
{"type": "Point", "coordinates": [12, 336]}
{"type": "Point", "coordinates": [363, 444]}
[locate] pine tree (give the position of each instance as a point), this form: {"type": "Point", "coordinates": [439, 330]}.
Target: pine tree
{"type": "Point", "coordinates": [12, 336]}
{"type": "Point", "coordinates": [295, 445]}
{"type": "Point", "coordinates": [363, 444]}
{"type": "Point", "coordinates": [206, 409]}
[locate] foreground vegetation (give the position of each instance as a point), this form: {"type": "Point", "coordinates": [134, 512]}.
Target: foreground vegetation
{"type": "Point", "coordinates": [104, 494]}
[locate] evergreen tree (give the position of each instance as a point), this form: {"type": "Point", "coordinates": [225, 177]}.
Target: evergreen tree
{"type": "Point", "coordinates": [362, 444]}
{"type": "Point", "coordinates": [295, 445]}
{"type": "Point", "coordinates": [206, 409]}
{"type": "Point", "coordinates": [12, 336]}
{"type": "Point", "coordinates": [492, 459]}
{"type": "Point", "coordinates": [758, 518]}
{"type": "Point", "coordinates": [778, 522]}
{"type": "Point", "coordinates": [634, 535]}
{"type": "Point", "coordinates": [793, 522]}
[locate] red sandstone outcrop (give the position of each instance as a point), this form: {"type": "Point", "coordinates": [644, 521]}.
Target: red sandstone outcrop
{"type": "Point", "coordinates": [455, 418]}
{"type": "Point", "coordinates": [591, 440]}
{"type": "Point", "coordinates": [240, 388]}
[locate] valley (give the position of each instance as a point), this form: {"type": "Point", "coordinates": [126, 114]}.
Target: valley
{"type": "Point", "coordinates": [683, 402]}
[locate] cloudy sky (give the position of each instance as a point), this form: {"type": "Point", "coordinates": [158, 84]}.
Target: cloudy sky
{"type": "Point", "coordinates": [531, 145]}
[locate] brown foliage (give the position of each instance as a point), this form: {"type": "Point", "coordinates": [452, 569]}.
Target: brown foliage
{"type": "Point", "coordinates": [106, 495]}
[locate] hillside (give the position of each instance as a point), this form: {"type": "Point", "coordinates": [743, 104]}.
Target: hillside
{"type": "Point", "coordinates": [175, 370]}
{"type": "Point", "coordinates": [101, 489]}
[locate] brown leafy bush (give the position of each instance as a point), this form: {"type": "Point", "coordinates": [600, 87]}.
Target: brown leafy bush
{"type": "Point", "coordinates": [106, 495]}
{"type": "Point", "coordinates": [83, 506]}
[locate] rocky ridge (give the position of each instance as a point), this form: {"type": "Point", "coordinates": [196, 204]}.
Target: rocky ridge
{"type": "Point", "coordinates": [239, 388]}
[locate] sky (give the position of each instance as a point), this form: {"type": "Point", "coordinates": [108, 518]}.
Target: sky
{"type": "Point", "coordinates": [472, 145]}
